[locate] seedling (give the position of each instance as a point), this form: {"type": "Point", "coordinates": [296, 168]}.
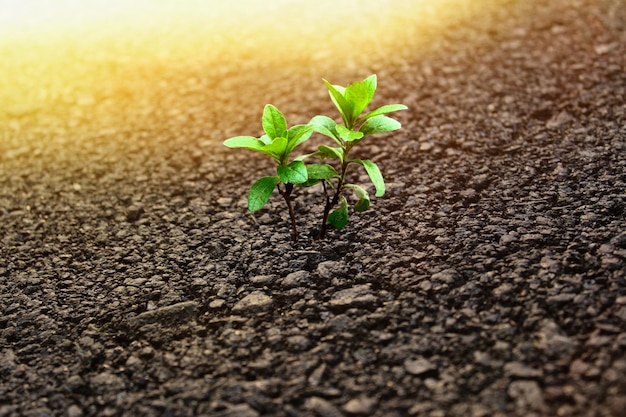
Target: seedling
{"type": "Point", "coordinates": [351, 102]}
{"type": "Point", "coordinates": [278, 142]}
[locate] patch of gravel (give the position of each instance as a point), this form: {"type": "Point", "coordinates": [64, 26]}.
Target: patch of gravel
{"type": "Point", "coordinates": [489, 281]}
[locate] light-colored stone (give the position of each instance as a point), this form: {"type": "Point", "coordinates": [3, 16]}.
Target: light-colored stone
{"type": "Point", "coordinates": [330, 269]}
{"type": "Point", "coordinates": [419, 366]}
{"type": "Point", "coordinates": [357, 296]}
{"type": "Point", "coordinates": [527, 396]}
{"type": "Point", "coordinates": [254, 302]}
{"type": "Point", "coordinates": [360, 406]}
{"type": "Point", "coordinates": [296, 279]}
{"type": "Point", "coordinates": [167, 315]}
{"type": "Point", "coordinates": [322, 407]}
{"type": "Point", "coordinates": [520, 370]}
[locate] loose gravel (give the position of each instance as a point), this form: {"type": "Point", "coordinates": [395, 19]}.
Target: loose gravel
{"type": "Point", "coordinates": [489, 280]}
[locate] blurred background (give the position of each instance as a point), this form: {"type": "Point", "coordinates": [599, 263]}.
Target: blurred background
{"type": "Point", "coordinates": [197, 71]}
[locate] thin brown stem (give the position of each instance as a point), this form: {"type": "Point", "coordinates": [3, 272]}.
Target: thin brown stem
{"type": "Point", "coordinates": [322, 232]}
{"type": "Point", "coordinates": [292, 214]}
{"type": "Point", "coordinates": [330, 203]}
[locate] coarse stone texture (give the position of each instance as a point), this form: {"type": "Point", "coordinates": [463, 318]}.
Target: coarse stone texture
{"type": "Point", "coordinates": [254, 302]}
{"type": "Point", "coordinates": [489, 280]}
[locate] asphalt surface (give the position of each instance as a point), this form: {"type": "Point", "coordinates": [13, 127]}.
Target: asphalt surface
{"type": "Point", "coordinates": [488, 281]}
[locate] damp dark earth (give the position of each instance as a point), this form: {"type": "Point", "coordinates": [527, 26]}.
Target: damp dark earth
{"type": "Point", "coordinates": [490, 279]}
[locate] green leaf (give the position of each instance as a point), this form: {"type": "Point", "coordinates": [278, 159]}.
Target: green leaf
{"type": "Point", "coordinates": [375, 175]}
{"type": "Point", "coordinates": [388, 108]}
{"type": "Point", "coordinates": [379, 124]}
{"type": "Point", "coordinates": [364, 198]}
{"type": "Point", "coordinates": [274, 123]}
{"type": "Point", "coordinates": [326, 126]}
{"type": "Point", "coordinates": [276, 149]}
{"type": "Point", "coordinates": [248, 142]}
{"type": "Point", "coordinates": [338, 218]}
{"type": "Point", "coordinates": [345, 107]}
{"type": "Point", "coordinates": [309, 183]}
{"type": "Point", "coordinates": [265, 139]}
{"type": "Point", "coordinates": [305, 156]}
{"type": "Point", "coordinates": [324, 152]}
{"type": "Point", "coordinates": [360, 94]}
{"type": "Point", "coordinates": [347, 134]}
{"type": "Point", "coordinates": [296, 135]}
{"type": "Point", "coordinates": [260, 192]}
{"type": "Point", "coordinates": [321, 172]}
{"type": "Point", "coordinates": [294, 173]}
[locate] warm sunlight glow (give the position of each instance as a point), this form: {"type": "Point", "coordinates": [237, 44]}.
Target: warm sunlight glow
{"type": "Point", "coordinates": [41, 15]}
{"type": "Point", "coordinates": [98, 52]}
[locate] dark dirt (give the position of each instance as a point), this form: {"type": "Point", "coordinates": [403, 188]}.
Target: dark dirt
{"type": "Point", "coordinates": [488, 281]}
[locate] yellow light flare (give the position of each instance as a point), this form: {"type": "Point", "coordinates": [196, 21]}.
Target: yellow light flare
{"type": "Point", "coordinates": [74, 52]}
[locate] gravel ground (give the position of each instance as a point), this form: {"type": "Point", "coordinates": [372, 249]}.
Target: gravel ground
{"type": "Point", "coordinates": [488, 281]}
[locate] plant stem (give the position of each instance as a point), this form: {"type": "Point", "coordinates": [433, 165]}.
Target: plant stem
{"type": "Point", "coordinates": [322, 232]}
{"type": "Point", "coordinates": [292, 214]}
{"type": "Point", "coordinates": [330, 203]}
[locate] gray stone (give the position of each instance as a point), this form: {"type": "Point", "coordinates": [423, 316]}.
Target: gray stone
{"type": "Point", "coordinates": [224, 201]}
{"type": "Point", "coordinates": [330, 269]}
{"type": "Point", "coordinates": [261, 280]}
{"type": "Point", "coordinates": [508, 238]}
{"type": "Point", "coordinates": [502, 290]}
{"type": "Point", "coordinates": [240, 410]}
{"type": "Point", "coordinates": [74, 383]}
{"type": "Point", "coordinates": [254, 302]}
{"type": "Point", "coordinates": [527, 396]}
{"type": "Point", "coordinates": [339, 323]}
{"type": "Point", "coordinates": [316, 376]}
{"type": "Point", "coordinates": [106, 382]}
{"type": "Point", "coordinates": [74, 411]}
{"type": "Point", "coordinates": [447, 276]}
{"type": "Point", "coordinates": [296, 279]}
{"type": "Point", "coordinates": [561, 298]}
{"type": "Point", "coordinates": [520, 370]}
{"type": "Point", "coordinates": [360, 406]}
{"type": "Point", "coordinates": [297, 343]}
{"type": "Point", "coordinates": [168, 315]}
{"type": "Point", "coordinates": [217, 303]}
{"type": "Point", "coordinates": [357, 296]}
{"type": "Point", "coordinates": [322, 408]}
{"type": "Point", "coordinates": [553, 341]}
{"type": "Point", "coordinates": [419, 366]}
{"type": "Point", "coordinates": [134, 212]}
{"type": "Point", "coordinates": [8, 361]}
{"type": "Point", "coordinates": [559, 120]}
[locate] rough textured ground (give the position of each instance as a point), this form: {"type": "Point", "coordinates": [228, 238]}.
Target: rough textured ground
{"type": "Point", "coordinates": [489, 281]}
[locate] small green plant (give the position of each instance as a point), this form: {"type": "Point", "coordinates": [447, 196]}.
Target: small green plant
{"type": "Point", "coordinates": [278, 142]}
{"type": "Point", "coordinates": [351, 102]}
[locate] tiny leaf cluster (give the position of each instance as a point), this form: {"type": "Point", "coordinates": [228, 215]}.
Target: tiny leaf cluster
{"type": "Point", "coordinates": [279, 142]}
